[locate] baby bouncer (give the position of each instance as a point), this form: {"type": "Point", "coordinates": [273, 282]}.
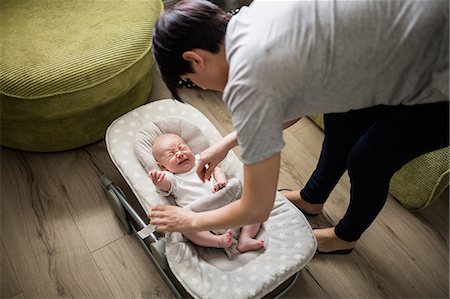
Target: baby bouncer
{"type": "Point", "coordinates": [190, 270]}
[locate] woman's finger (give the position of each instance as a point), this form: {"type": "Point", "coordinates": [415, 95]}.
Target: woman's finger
{"type": "Point", "coordinates": [155, 214]}
{"type": "Point", "coordinates": [201, 170]}
{"type": "Point", "coordinates": [171, 218]}
{"type": "Point", "coordinates": [161, 226]}
{"type": "Point", "coordinates": [160, 229]}
{"type": "Point", "coordinates": [159, 208]}
{"type": "Point", "coordinates": [208, 173]}
{"type": "Point", "coordinates": [156, 221]}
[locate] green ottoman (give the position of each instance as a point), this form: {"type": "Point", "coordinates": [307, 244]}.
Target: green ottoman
{"type": "Point", "coordinates": [68, 68]}
{"type": "Point", "coordinates": [419, 182]}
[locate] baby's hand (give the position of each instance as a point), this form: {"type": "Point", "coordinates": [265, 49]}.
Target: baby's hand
{"type": "Point", "coordinates": [157, 176]}
{"type": "Point", "coordinates": [219, 185]}
{"type": "Point", "coordinates": [160, 180]}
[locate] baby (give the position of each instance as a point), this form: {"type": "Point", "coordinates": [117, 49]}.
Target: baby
{"type": "Point", "coordinates": [179, 178]}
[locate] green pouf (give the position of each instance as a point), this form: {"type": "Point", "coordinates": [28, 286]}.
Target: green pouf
{"type": "Point", "coordinates": [421, 181]}
{"type": "Point", "coordinates": [69, 68]}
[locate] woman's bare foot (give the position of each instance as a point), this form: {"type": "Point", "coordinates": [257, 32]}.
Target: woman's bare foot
{"type": "Point", "coordinates": [327, 241]}
{"type": "Point", "coordinates": [249, 244]}
{"type": "Point", "coordinates": [294, 197]}
{"type": "Point", "coordinates": [225, 240]}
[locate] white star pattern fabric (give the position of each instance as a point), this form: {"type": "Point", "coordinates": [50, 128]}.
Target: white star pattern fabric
{"type": "Point", "coordinates": [207, 272]}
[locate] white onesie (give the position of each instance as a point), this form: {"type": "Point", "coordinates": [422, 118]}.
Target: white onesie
{"type": "Point", "coordinates": [189, 191]}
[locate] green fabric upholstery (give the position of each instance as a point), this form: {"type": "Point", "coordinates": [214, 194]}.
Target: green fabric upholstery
{"type": "Point", "coordinates": [69, 68]}
{"type": "Point", "coordinates": [419, 182]}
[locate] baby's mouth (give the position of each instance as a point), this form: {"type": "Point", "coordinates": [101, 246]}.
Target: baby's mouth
{"type": "Point", "coordinates": [183, 161]}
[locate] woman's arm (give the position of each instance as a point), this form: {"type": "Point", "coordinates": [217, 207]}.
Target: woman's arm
{"type": "Point", "coordinates": [255, 205]}
{"type": "Point", "coordinates": [290, 123]}
{"type": "Point", "coordinates": [212, 156]}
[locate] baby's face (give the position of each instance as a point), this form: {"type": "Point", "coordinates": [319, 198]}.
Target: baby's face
{"type": "Point", "coordinates": [172, 153]}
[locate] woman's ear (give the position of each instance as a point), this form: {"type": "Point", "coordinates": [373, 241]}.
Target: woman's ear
{"type": "Point", "coordinates": [194, 58]}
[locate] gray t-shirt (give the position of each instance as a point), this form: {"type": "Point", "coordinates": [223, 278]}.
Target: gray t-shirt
{"type": "Point", "coordinates": [289, 59]}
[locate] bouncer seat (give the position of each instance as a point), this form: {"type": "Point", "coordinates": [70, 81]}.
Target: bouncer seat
{"type": "Point", "coordinates": [188, 269]}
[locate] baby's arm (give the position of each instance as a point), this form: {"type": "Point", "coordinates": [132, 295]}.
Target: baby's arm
{"type": "Point", "coordinates": [221, 179]}
{"type": "Point", "coordinates": [160, 180]}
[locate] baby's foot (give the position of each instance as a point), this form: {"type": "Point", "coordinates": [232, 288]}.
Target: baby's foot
{"type": "Point", "coordinates": [248, 244]}
{"type": "Point", "coordinates": [225, 240]}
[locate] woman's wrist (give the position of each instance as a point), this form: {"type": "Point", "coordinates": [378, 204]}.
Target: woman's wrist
{"type": "Point", "coordinates": [196, 222]}
{"type": "Point", "coordinates": [230, 140]}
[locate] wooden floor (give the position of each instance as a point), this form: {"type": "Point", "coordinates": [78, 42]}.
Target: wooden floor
{"type": "Point", "coordinates": [59, 237]}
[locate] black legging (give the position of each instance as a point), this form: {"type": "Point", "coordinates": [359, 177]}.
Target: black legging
{"type": "Point", "coordinates": [373, 143]}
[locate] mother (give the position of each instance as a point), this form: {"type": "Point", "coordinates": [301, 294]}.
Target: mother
{"type": "Point", "coordinates": [378, 70]}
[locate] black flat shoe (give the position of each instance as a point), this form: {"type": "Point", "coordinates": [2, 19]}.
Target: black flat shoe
{"type": "Point", "coordinates": [340, 251]}
{"type": "Point", "coordinates": [301, 210]}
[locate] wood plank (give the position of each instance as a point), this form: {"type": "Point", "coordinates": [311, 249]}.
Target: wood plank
{"type": "Point", "coordinates": [9, 287]}
{"type": "Point", "coordinates": [80, 190]}
{"type": "Point", "coordinates": [19, 296]}
{"type": "Point", "coordinates": [409, 246]}
{"type": "Point", "coordinates": [129, 272]}
{"type": "Point", "coordinates": [306, 287]}
{"type": "Point", "coordinates": [45, 247]}
{"type": "Point", "coordinates": [159, 90]}
{"type": "Point", "coordinates": [437, 215]}
{"type": "Point", "coordinates": [100, 159]}
{"type": "Point", "coordinates": [299, 158]}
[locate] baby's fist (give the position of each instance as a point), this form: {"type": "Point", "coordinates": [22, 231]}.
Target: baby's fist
{"type": "Point", "coordinates": [219, 185]}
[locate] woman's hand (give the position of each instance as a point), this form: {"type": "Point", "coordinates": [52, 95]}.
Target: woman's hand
{"type": "Point", "coordinates": [212, 156]}
{"type": "Point", "coordinates": [168, 218]}
{"type": "Point", "coordinates": [209, 159]}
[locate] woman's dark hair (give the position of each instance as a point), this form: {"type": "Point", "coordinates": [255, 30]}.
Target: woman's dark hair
{"type": "Point", "coordinates": [185, 26]}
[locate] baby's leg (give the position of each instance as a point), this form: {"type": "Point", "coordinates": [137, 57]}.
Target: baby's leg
{"type": "Point", "coordinates": [246, 241]}
{"type": "Point", "coordinates": [208, 239]}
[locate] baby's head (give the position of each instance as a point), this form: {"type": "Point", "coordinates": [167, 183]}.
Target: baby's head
{"type": "Point", "coordinates": [172, 153]}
